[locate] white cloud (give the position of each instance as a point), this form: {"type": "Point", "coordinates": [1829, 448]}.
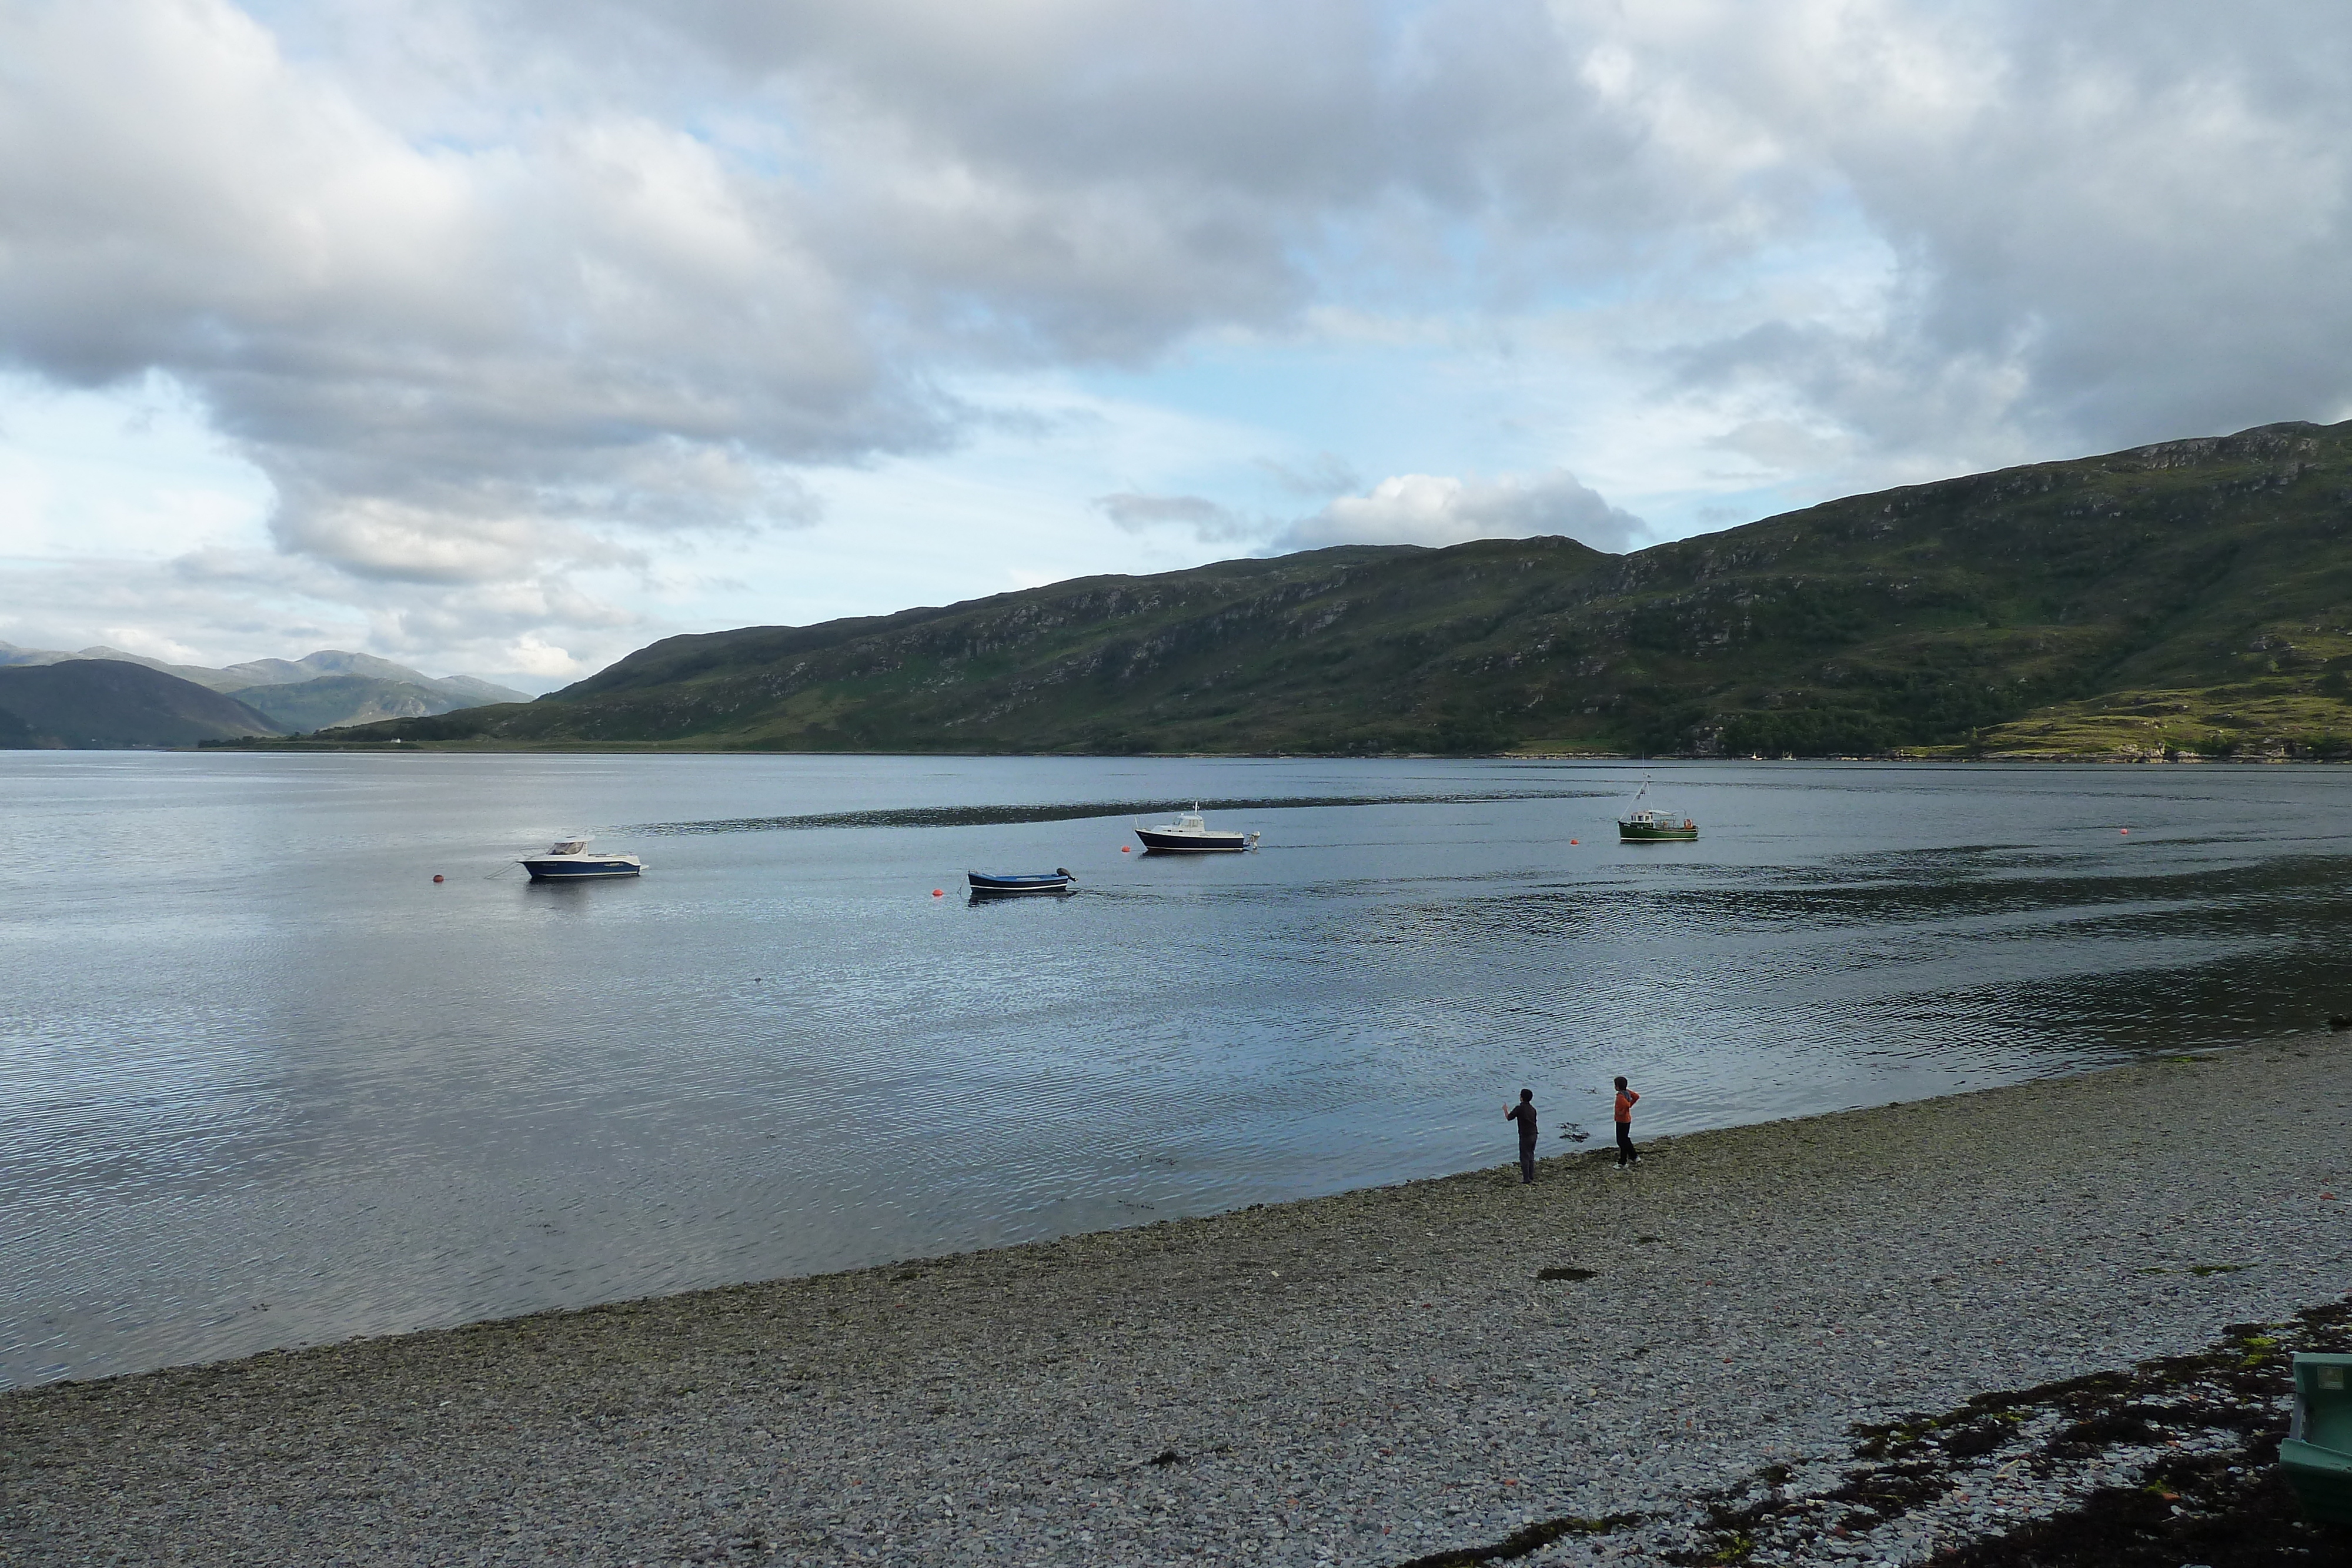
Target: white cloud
{"type": "Point", "coordinates": [1429, 509]}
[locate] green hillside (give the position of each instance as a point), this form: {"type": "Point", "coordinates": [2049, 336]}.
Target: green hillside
{"type": "Point", "coordinates": [322, 700]}
{"type": "Point", "coordinates": [1958, 614]}
{"type": "Point", "coordinates": [105, 703]}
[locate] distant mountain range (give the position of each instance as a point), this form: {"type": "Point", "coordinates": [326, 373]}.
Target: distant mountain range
{"type": "Point", "coordinates": [2192, 598]}
{"type": "Point", "coordinates": [110, 705]}
{"type": "Point", "coordinates": [56, 700]}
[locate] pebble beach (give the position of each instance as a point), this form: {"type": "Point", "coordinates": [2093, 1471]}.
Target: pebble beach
{"type": "Point", "coordinates": [1455, 1370]}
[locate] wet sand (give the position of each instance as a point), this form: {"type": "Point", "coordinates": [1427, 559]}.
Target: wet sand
{"type": "Point", "coordinates": [1369, 1378]}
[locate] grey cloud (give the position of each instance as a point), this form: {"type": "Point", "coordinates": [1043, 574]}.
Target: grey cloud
{"type": "Point", "coordinates": [1783, 445]}
{"type": "Point", "coordinates": [499, 292]}
{"type": "Point", "coordinates": [1207, 521]}
{"type": "Point", "coordinates": [447, 523]}
{"type": "Point", "coordinates": [455, 365]}
{"type": "Point", "coordinates": [217, 607]}
{"type": "Point", "coordinates": [2104, 224]}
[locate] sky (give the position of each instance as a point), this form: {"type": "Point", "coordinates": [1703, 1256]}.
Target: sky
{"type": "Point", "coordinates": [504, 337]}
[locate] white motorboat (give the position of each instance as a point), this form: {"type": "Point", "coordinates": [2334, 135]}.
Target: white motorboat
{"type": "Point", "coordinates": [1188, 834]}
{"type": "Point", "coordinates": [569, 860]}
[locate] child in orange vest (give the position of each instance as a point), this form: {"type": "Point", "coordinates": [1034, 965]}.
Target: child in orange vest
{"type": "Point", "coordinates": [1626, 1153]}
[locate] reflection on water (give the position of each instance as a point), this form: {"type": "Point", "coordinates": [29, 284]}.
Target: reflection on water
{"type": "Point", "coordinates": [1063, 811]}
{"type": "Point", "coordinates": [263, 1082]}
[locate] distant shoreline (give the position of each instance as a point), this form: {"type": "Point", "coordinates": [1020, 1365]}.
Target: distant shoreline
{"type": "Point", "coordinates": [658, 749]}
{"type": "Point", "coordinates": [1382, 1373]}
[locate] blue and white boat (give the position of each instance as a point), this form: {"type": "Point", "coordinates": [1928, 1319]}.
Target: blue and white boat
{"type": "Point", "coordinates": [1190, 834]}
{"type": "Point", "coordinates": [992, 883]}
{"type": "Point", "coordinates": [569, 860]}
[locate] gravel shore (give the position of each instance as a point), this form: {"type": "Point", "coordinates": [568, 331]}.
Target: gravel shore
{"type": "Point", "coordinates": [1368, 1378]}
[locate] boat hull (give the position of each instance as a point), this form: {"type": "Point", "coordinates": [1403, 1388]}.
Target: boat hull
{"type": "Point", "coordinates": [1195, 844]}
{"type": "Point", "coordinates": [2321, 1479]}
{"type": "Point", "coordinates": [1641, 833]}
{"type": "Point", "coordinates": [2316, 1457]}
{"type": "Point", "coordinates": [989, 886]}
{"type": "Point", "coordinates": [579, 869]}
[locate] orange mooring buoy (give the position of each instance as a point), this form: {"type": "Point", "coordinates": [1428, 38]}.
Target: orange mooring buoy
{"type": "Point", "coordinates": [939, 892]}
{"type": "Point", "coordinates": [1572, 843]}
{"type": "Point", "coordinates": [436, 876]}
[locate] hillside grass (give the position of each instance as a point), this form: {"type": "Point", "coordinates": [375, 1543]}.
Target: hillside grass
{"type": "Point", "coordinates": [2193, 595]}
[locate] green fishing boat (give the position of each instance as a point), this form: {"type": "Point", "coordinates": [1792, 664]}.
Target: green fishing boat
{"type": "Point", "coordinates": [2317, 1453]}
{"type": "Point", "coordinates": [1656, 827]}
{"type": "Point", "coordinates": [1648, 826]}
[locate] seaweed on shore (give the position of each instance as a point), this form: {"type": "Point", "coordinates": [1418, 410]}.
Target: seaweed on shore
{"type": "Point", "coordinates": [2215, 1497]}
{"type": "Point", "coordinates": [1525, 1540]}
{"type": "Point", "coordinates": [2207, 1509]}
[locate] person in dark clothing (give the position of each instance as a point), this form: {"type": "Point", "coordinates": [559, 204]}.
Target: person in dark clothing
{"type": "Point", "coordinates": [1626, 1153]}
{"type": "Point", "coordinates": [1524, 1113]}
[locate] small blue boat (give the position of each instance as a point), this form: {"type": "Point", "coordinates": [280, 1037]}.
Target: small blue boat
{"type": "Point", "coordinates": [1058, 880]}
{"type": "Point", "coordinates": [569, 860]}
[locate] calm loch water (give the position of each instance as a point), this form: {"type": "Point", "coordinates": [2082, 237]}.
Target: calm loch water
{"type": "Point", "coordinates": [263, 1082]}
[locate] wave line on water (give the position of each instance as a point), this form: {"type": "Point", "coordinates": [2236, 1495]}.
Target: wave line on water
{"type": "Point", "coordinates": [993, 815]}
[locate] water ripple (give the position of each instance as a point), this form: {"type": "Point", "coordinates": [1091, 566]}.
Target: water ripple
{"type": "Point", "coordinates": [987, 816]}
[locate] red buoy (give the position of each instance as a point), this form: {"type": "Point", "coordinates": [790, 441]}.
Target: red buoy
{"type": "Point", "coordinates": [1571, 842]}
{"type": "Point", "coordinates": [2123, 830]}
{"type": "Point", "coordinates": [436, 876]}
{"type": "Point", "coordinates": [939, 892]}
{"type": "Point", "coordinates": [1124, 849]}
